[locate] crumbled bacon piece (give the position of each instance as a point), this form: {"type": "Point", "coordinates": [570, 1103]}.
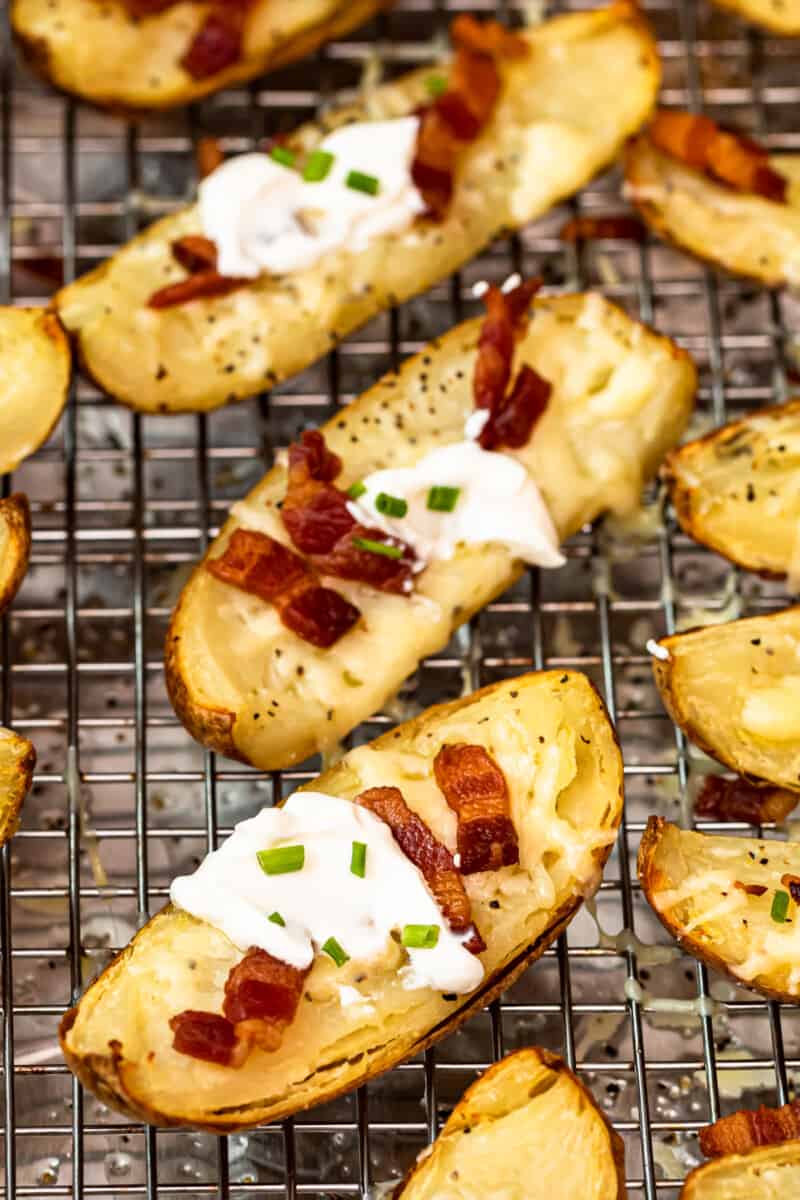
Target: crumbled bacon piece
{"type": "Point", "coordinates": [487, 37]}
{"type": "Point", "coordinates": [218, 42]}
{"type": "Point", "coordinates": [744, 1131]}
{"type": "Point", "coordinates": [195, 253]}
{"type": "Point", "coordinates": [314, 512]}
{"type": "Point", "coordinates": [620, 228]}
{"type": "Point", "coordinates": [205, 1035]}
{"type": "Point", "coordinates": [736, 799]}
{"type": "Point", "coordinates": [208, 156]}
{"type": "Point", "coordinates": [792, 882]}
{"type": "Point", "coordinates": [261, 997]}
{"type": "Point", "coordinates": [512, 423]}
{"type": "Point", "coordinates": [475, 788]}
{"type": "Point", "coordinates": [432, 858]}
{"type": "Point", "coordinates": [750, 889]}
{"type": "Point", "coordinates": [347, 560]}
{"type": "Point", "coordinates": [201, 286]}
{"type": "Point", "coordinates": [729, 158]}
{"type": "Point", "coordinates": [263, 566]}
{"type": "Point", "coordinates": [146, 8]}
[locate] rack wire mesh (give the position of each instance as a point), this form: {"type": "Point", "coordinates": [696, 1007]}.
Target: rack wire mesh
{"type": "Point", "coordinates": [123, 800]}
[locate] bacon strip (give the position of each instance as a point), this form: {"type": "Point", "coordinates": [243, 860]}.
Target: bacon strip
{"type": "Point", "coordinates": [744, 1131]}
{"type": "Point", "coordinates": [198, 255]}
{"type": "Point", "coordinates": [263, 566]}
{"type": "Point", "coordinates": [428, 854]}
{"type": "Point", "coordinates": [729, 158]}
{"type": "Point", "coordinates": [792, 882]}
{"type": "Point", "coordinates": [723, 799]}
{"type": "Point", "coordinates": [195, 253]}
{"type": "Point", "coordinates": [475, 788]}
{"type": "Point", "coordinates": [218, 42]}
{"type": "Point", "coordinates": [487, 37]}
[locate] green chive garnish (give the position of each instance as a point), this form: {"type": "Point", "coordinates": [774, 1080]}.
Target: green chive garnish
{"type": "Point", "coordinates": [356, 489]}
{"type": "Point", "coordinates": [443, 499]}
{"type": "Point", "coordinates": [358, 859]}
{"type": "Point", "coordinates": [420, 937]}
{"type": "Point", "coordinates": [360, 182]}
{"type": "Point", "coordinates": [318, 166]}
{"type": "Point", "coordinates": [282, 155]}
{"type": "Point", "coordinates": [336, 952]}
{"type": "Point", "coordinates": [780, 907]}
{"type": "Point", "coordinates": [436, 85]}
{"type": "Point", "coordinates": [390, 506]}
{"type": "Point", "coordinates": [378, 547]}
{"type": "Point", "coordinates": [281, 860]}
{"type": "Point", "coordinates": [276, 918]}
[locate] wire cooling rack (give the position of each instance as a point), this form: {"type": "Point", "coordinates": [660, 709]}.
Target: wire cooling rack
{"type": "Point", "coordinates": [123, 800]}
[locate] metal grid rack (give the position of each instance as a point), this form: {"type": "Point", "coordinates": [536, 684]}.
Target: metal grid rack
{"type": "Point", "coordinates": [123, 800]}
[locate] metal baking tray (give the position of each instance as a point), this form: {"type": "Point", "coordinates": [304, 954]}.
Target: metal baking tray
{"type": "Point", "coordinates": [123, 799]}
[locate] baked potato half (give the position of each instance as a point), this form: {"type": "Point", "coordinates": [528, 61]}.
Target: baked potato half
{"type": "Point", "coordinates": [17, 760]}
{"type": "Point", "coordinates": [550, 735]}
{"type": "Point", "coordinates": [745, 234]}
{"type": "Point", "coordinates": [779, 16]}
{"type": "Point", "coordinates": [734, 689]}
{"type": "Point", "coordinates": [114, 59]}
{"type": "Point", "coordinates": [564, 112]}
{"type": "Point", "coordinates": [527, 1113]}
{"type": "Point", "coordinates": [621, 395]}
{"type": "Point", "coordinates": [37, 368]}
{"type": "Point", "coordinates": [15, 546]}
{"type": "Point", "coordinates": [737, 490]}
{"type": "Point", "coordinates": [761, 1174]}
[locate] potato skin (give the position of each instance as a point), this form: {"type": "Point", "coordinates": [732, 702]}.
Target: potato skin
{"type": "Point", "coordinates": [710, 1180]}
{"type": "Point", "coordinates": [15, 523]}
{"type": "Point", "coordinates": [778, 16]}
{"type": "Point", "coordinates": [104, 1072]}
{"type": "Point", "coordinates": [40, 31]}
{"type": "Point", "coordinates": [17, 760]}
{"type": "Point", "coordinates": [37, 371]}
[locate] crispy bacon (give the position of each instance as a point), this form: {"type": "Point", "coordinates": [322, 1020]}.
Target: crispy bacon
{"type": "Point", "coordinates": [744, 1131]}
{"type": "Point", "coordinates": [208, 156]}
{"type": "Point", "coordinates": [201, 286]}
{"type": "Point", "coordinates": [475, 788]}
{"type": "Point", "coordinates": [512, 423]}
{"type": "Point", "coordinates": [263, 566]}
{"type": "Point", "coordinates": [218, 42]}
{"type": "Point", "coordinates": [736, 799]}
{"type": "Point", "coordinates": [195, 253]}
{"type": "Point", "coordinates": [432, 858]}
{"type": "Point", "coordinates": [792, 882]}
{"type": "Point", "coordinates": [487, 37]}
{"type": "Point", "coordinates": [350, 561]}
{"type": "Point", "coordinates": [261, 998]}
{"type": "Point", "coordinates": [146, 8]}
{"type": "Point", "coordinates": [205, 1035]}
{"type": "Point", "coordinates": [750, 889]}
{"type": "Point", "coordinates": [620, 228]}
{"type": "Point", "coordinates": [729, 158]}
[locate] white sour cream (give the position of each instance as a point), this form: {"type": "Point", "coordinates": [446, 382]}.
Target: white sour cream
{"type": "Point", "coordinates": [264, 217]}
{"type": "Point", "coordinates": [324, 899]}
{"type": "Point", "coordinates": [497, 502]}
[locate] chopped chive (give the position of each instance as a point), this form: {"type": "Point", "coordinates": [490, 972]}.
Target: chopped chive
{"type": "Point", "coordinates": [435, 85]}
{"type": "Point", "coordinates": [281, 860]}
{"type": "Point", "coordinates": [332, 948]}
{"type": "Point", "coordinates": [358, 859]}
{"type": "Point", "coordinates": [283, 156]}
{"type": "Point", "coordinates": [318, 166]}
{"type": "Point", "coordinates": [420, 937]}
{"type": "Point", "coordinates": [360, 182]}
{"type": "Point", "coordinates": [443, 499]}
{"type": "Point", "coordinates": [276, 918]}
{"type": "Point", "coordinates": [356, 489]}
{"type": "Point", "coordinates": [378, 547]}
{"type": "Point", "coordinates": [390, 506]}
{"type": "Point", "coordinates": [780, 906]}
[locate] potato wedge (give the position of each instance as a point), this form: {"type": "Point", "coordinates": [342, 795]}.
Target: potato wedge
{"type": "Point", "coordinates": [744, 234]}
{"type": "Point", "coordinates": [15, 546]}
{"type": "Point", "coordinates": [621, 396]}
{"type": "Point", "coordinates": [779, 16]}
{"type": "Point", "coordinates": [737, 490]}
{"type": "Point", "coordinates": [37, 369]}
{"type": "Point", "coordinates": [17, 760]}
{"type": "Point", "coordinates": [734, 689]}
{"type": "Point", "coordinates": [104, 55]}
{"type": "Point", "coordinates": [762, 1174]}
{"type": "Point", "coordinates": [690, 880]}
{"type": "Point", "coordinates": [563, 114]}
{"type": "Point", "coordinates": [566, 799]}
{"type": "Point", "coordinates": [527, 1114]}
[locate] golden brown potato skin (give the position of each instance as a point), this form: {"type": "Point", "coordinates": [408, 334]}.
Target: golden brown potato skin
{"type": "Point", "coordinates": [17, 760]}
{"type": "Point", "coordinates": [130, 66]}
{"type": "Point", "coordinates": [759, 1175]}
{"type": "Point", "coordinates": [778, 16]}
{"type": "Point", "coordinates": [15, 546]}
{"type": "Point", "coordinates": [581, 1161]}
{"type": "Point", "coordinates": [37, 369]}
{"type": "Point", "coordinates": [117, 1040]}
{"type": "Point", "coordinates": [737, 490]}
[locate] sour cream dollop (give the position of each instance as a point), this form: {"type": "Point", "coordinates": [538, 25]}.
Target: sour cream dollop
{"type": "Point", "coordinates": [264, 217]}
{"type": "Point", "coordinates": [497, 502]}
{"type": "Point", "coordinates": [324, 899]}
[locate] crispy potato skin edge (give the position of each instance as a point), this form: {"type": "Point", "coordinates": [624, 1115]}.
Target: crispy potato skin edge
{"type": "Point", "coordinates": [11, 806]}
{"type": "Point", "coordinates": [650, 878]}
{"type": "Point", "coordinates": [17, 514]}
{"type": "Point", "coordinates": [37, 56]}
{"type": "Point", "coordinates": [694, 1179]}
{"type": "Point", "coordinates": [740, 8]}
{"type": "Point", "coordinates": [556, 1064]}
{"type": "Point", "coordinates": [101, 1074]}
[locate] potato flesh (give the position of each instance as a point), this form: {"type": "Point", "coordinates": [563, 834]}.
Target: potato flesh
{"type": "Point", "coordinates": [768, 1173]}
{"type": "Point", "coordinates": [739, 490]}
{"type": "Point", "coordinates": [590, 451]}
{"type": "Point", "coordinates": [17, 759]}
{"type": "Point", "coordinates": [745, 234]}
{"type": "Point", "coordinates": [523, 1118]}
{"type": "Point", "coordinates": [36, 373]}
{"type": "Point", "coordinates": [719, 684]}
{"type": "Point", "coordinates": [180, 962]}
{"type": "Point", "coordinates": [545, 140]}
